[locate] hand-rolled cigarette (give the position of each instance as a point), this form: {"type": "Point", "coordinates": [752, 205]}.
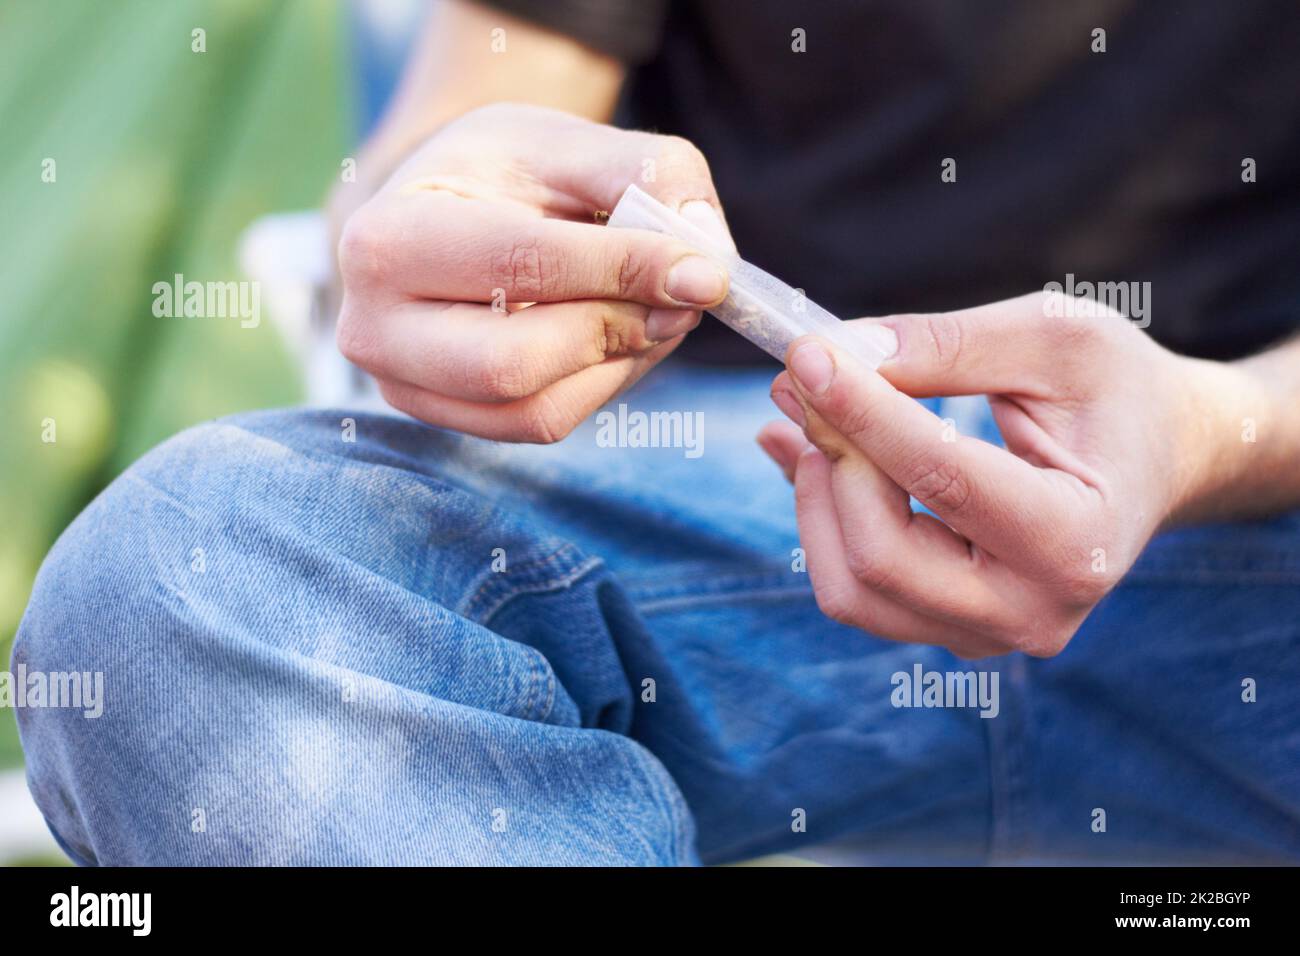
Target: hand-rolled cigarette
{"type": "Point", "coordinates": [759, 306]}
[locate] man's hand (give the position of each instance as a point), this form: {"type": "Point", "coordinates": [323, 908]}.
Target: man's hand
{"type": "Point", "coordinates": [480, 294]}
{"type": "Point", "coordinates": [1108, 437]}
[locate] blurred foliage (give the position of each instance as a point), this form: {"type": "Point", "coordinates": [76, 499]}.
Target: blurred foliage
{"type": "Point", "coordinates": [40, 861]}
{"type": "Point", "coordinates": [163, 155]}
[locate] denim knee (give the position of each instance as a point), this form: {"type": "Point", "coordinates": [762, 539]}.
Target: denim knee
{"type": "Point", "coordinates": [241, 583]}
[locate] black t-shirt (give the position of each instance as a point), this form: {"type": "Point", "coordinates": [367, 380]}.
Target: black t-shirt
{"type": "Point", "coordinates": [1116, 166]}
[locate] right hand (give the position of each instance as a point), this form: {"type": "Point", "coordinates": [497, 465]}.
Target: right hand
{"type": "Point", "coordinates": [496, 209]}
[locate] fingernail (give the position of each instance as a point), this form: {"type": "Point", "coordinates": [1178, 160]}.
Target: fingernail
{"type": "Point", "coordinates": [696, 280]}
{"type": "Point", "coordinates": [882, 338]}
{"type": "Point", "coordinates": [701, 214]}
{"type": "Point", "coordinates": [812, 366]}
{"type": "Point", "coordinates": [664, 324]}
{"type": "Point", "coordinates": [789, 406]}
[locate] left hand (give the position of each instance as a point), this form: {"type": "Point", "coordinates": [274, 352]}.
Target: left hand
{"type": "Point", "coordinates": [1107, 439]}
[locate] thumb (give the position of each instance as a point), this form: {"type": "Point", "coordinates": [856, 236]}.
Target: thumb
{"type": "Point", "coordinates": [982, 491]}
{"type": "Point", "coordinates": [1011, 346]}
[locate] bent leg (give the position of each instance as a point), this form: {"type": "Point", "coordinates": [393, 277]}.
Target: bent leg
{"type": "Point", "coordinates": [306, 660]}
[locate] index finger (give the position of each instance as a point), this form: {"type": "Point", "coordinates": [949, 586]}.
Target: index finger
{"type": "Point", "coordinates": [999, 501]}
{"type": "Point", "coordinates": [438, 245]}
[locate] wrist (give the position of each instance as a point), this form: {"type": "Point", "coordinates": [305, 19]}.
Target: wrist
{"type": "Point", "coordinates": [1233, 442]}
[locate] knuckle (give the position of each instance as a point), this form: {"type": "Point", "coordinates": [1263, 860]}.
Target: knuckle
{"type": "Point", "coordinates": [355, 336]}
{"type": "Point", "coordinates": [398, 397]}
{"type": "Point", "coordinates": [613, 337]}
{"type": "Point", "coordinates": [944, 339]}
{"type": "Point", "coordinates": [1071, 347]}
{"type": "Point", "coordinates": [519, 268]}
{"type": "Point", "coordinates": [940, 485]}
{"type": "Point", "coordinates": [1073, 331]}
{"type": "Point", "coordinates": [870, 566]}
{"type": "Point", "coordinates": [1074, 345]}
{"type": "Point", "coordinates": [630, 272]}
{"type": "Point", "coordinates": [849, 415]}
{"type": "Point", "coordinates": [680, 152]}
{"type": "Point", "coordinates": [1046, 643]}
{"type": "Point", "coordinates": [502, 378]}
{"type": "Point", "coordinates": [545, 423]}
{"type": "Point", "coordinates": [364, 250]}
{"type": "Point", "coordinates": [836, 603]}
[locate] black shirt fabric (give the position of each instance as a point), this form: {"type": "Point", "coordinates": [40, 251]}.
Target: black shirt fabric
{"type": "Point", "coordinates": [1113, 167]}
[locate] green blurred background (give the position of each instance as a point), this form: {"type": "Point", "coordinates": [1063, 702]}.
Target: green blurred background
{"type": "Point", "coordinates": [163, 156]}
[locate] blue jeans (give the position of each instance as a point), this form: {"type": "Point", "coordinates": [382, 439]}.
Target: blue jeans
{"type": "Point", "coordinates": [418, 647]}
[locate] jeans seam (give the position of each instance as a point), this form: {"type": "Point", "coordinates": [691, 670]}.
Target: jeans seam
{"type": "Point", "coordinates": [548, 675]}
{"type": "Point", "coordinates": [485, 600]}
{"type": "Point", "coordinates": [537, 706]}
{"type": "Point", "coordinates": [693, 585]}
{"type": "Point", "coordinates": [723, 597]}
